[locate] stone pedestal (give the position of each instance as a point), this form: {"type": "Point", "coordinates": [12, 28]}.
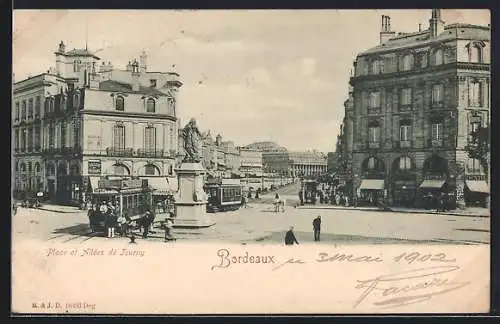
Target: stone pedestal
{"type": "Point", "coordinates": [191, 200]}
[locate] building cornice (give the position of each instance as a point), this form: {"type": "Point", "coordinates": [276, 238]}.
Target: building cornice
{"type": "Point", "coordinates": [418, 72]}
{"type": "Point", "coordinates": [125, 114]}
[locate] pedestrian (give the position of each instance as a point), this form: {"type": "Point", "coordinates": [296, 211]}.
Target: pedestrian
{"type": "Point", "coordinates": [145, 222]}
{"type": "Point", "coordinates": [122, 222]}
{"type": "Point", "coordinates": [91, 214]}
{"type": "Point", "coordinates": [290, 237]}
{"type": "Point", "coordinates": [110, 222]}
{"type": "Point", "coordinates": [244, 201]}
{"type": "Point", "coordinates": [103, 208]}
{"type": "Point", "coordinates": [317, 228]}
{"type": "Point", "coordinates": [301, 196]}
{"type": "Point", "coordinates": [169, 225]}
{"type": "Point", "coordinates": [132, 239]}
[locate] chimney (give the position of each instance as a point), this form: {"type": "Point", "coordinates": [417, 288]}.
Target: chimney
{"type": "Point", "coordinates": [143, 60]}
{"type": "Point", "coordinates": [218, 140]}
{"type": "Point", "coordinates": [436, 25]}
{"type": "Point", "coordinates": [419, 27]}
{"type": "Point", "coordinates": [386, 33]}
{"type": "Point", "coordinates": [135, 76]}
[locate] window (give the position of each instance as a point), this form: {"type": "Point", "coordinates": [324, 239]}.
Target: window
{"type": "Point", "coordinates": [150, 138]}
{"type": "Point", "coordinates": [405, 131]}
{"type": "Point", "coordinates": [17, 110]}
{"type": "Point", "coordinates": [120, 103]}
{"type": "Point", "coordinates": [437, 131]}
{"type": "Point", "coordinates": [23, 110]}
{"type": "Point", "coordinates": [63, 134]}
{"type": "Point", "coordinates": [37, 167]}
{"type": "Point", "coordinates": [150, 170]}
{"type": "Point", "coordinates": [475, 54]}
{"type": "Point", "coordinates": [437, 93]}
{"type": "Point", "coordinates": [52, 104]}
{"type": "Point", "coordinates": [76, 100]}
{"type": "Point", "coordinates": [29, 139]}
{"type": "Point", "coordinates": [406, 97]}
{"type": "Point", "coordinates": [377, 67]}
{"type": "Point", "coordinates": [171, 106]}
{"type": "Point", "coordinates": [30, 108]}
{"type": "Point", "coordinates": [52, 135]}
{"type": "Point", "coordinates": [406, 63]}
{"type": "Point", "coordinates": [38, 104]}
{"type": "Point", "coordinates": [150, 105]}
{"type": "Point", "coordinates": [38, 137]}
{"type": "Point", "coordinates": [371, 163]}
{"type": "Point", "coordinates": [374, 133]}
{"type": "Point", "coordinates": [76, 66]}
{"type": "Point", "coordinates": [16, 139]}
{"type": "Point", "coordinates": [152, 83]}
{"type": "Point", "coordinates": [438, 57]}
{"type": "Point", "coordinates": [404, 163]}
{"type": "Point", "coordinates": [76, 132]}
{"type": "Point", "coordinates": [475, 94]}
{"type": "Point", "coordinates": [374, 100]}
{"type": "Point", "coordinates": [119, 136]}
{"type": "Point", "coordinates": [474, 166]}
{"type": "Point", "coordinates": [120, 170]}
{"type": "Point", "coordinates": [423, 60]}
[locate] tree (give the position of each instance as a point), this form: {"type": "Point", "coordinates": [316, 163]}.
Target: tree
{"type": "Point", "coordinates": [479, 146]}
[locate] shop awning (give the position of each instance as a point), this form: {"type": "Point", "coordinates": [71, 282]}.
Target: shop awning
{"type": "Point", "coordinates": [436, 184]}
{"type": "Point", "coordinates": [372, 184]}
{"type": "Point", "coordinates": [477, 186]}
{"type": "Point", "coordinates": [160, 185]}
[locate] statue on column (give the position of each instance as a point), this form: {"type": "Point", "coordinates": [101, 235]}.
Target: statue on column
{"type": "Point", "coordinates": [192, 139]}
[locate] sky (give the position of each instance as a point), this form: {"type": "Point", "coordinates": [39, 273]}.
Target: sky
{"type": "Point", "coordinates": [250, 75]}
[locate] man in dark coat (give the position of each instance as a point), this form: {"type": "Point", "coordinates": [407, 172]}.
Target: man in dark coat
{"type": "Point", "coordinates": [317, 228]}
{"type": "Point", "coordinates": [290, 237]}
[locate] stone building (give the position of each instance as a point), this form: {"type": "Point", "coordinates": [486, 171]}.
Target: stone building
{"type": "Point", "coordinates": [94, 122]}
{"type": "Point", "coordinates": [416, 98]}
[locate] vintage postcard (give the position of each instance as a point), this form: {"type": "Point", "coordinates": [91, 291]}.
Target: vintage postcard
{"type": "Point", "coordinates": [250, 161]}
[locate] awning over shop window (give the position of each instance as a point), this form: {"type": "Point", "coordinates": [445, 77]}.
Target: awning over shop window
{"type": "Point", "coordinates": [160, 185]}
{"type": "Point", "coordinates": [436, 184]}
{"type": "Point", "coordinates": [372, 184]}
{"type": "Point", "coordinates": [94, 182]}
{"type": "Point", "coordinates": [478, 186]}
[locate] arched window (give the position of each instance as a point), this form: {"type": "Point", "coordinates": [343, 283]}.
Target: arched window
{"type": "Point", "coordinates": [171, 106]}
{"type": "Point", "coordinates": [120, 103]}
{"type": "Point", "coordinates": [438, 57]}
{"type": "Point", "coordinates": [150, 138]}
{"type": "Point", "coordinates": [37, 167]}
{"type": "Point", "coordinates": [121, 170]}
{"type": "Point", "coordinates": [151, 170]}
{"type": "Point", "coordinates": [423, 60]}
{"type": "Point", "coordinates": [404, 163]}
{"type": "Point", "coordinates": [371, 164]}
{"type": "Point", "coordinates": [150, 105]}
{"type": "Point", "coordinates": [52, 102]}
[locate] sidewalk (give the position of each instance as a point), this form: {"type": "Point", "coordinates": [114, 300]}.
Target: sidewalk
{"type": "Point", "coordinates": [61, 209]}
{"type": "Point", "coordinates": [469, 212]}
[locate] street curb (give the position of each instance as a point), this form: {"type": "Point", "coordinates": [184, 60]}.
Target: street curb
{"type": "Point", "coordinates": [397, 211]}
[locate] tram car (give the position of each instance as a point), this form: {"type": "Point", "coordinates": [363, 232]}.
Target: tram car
{"type": "Point", "coordinates": [310, 188]}
{"type": "Point", "coordinates": [131, 198]}
{"type": "Point", "coordinates": [223, 195]}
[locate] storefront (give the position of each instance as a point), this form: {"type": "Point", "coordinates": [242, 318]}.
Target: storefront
{"type": "Point", "coordinates": [403, 185]}
{"type": "Point", "coordinates": [371, 190]}
{"type": "Point", "coordinates": [476, 191]}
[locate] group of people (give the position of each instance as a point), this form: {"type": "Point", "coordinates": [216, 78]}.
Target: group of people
{"type": "Point", "coordinates": [279, 204]}
{"type": "Point", "coordinates": [108, 213]}
{"type": "Point", "coordinates": [290, 238]}
{"type": "Point", "coordinates": [325, 194]}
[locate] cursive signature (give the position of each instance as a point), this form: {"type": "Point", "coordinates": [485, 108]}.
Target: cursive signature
{"type": "Point", "coordinates": [409, 287]}
{"type": "Point", "coordinates": [289, 261]}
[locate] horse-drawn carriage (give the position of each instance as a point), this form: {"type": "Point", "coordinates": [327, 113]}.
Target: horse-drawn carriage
{"type": "Point", "coordinates": [309, 190]}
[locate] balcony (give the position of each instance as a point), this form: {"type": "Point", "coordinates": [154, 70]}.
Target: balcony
{"type": "Point", "coordinates": [61, 150]}
{"type": "Point", "coordinates": [405, 108]}
{"type": "Point", "coordinates": [118, 151]}
{"type": "Point", "coordinates": [437, 104]}
{"type": "Point", "coordinates": [150, 153]}
{"type": "Point", "coordinates": [404, 144]}
{"type": "Point", "coordinates": [435, 143]}
{"type": "Point", "coordinates": [374, 110]}
{"type": "Point", "coordinates": [373, 145]}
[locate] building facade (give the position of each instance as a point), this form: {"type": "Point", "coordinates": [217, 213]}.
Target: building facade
{"type": "Point", "coordinates": [416, 98]}
{"type": "Point", "coordinates": [94, 122]}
